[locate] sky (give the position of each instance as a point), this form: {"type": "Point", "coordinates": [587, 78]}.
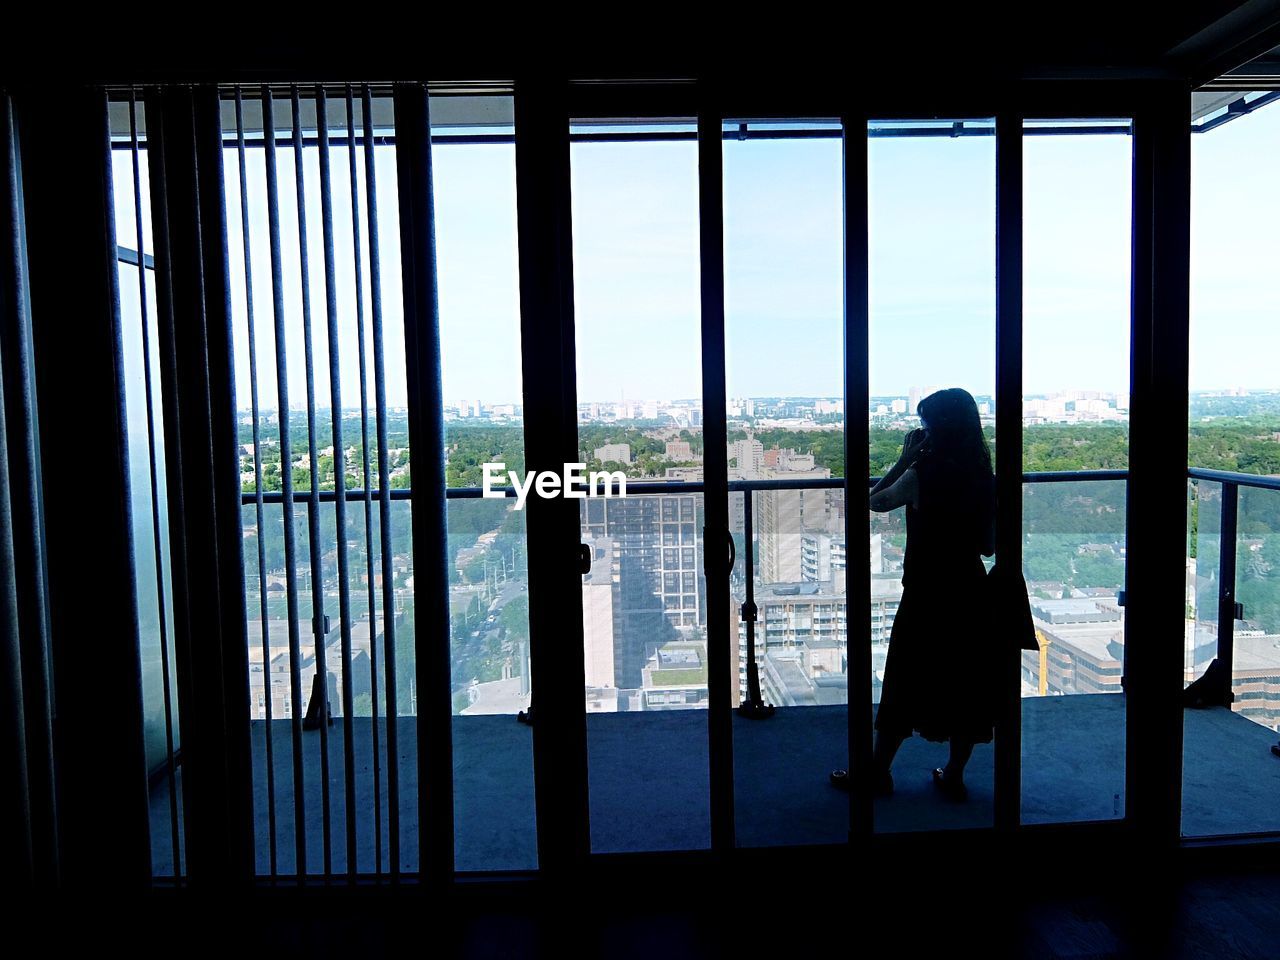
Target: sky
{"type": "Point", "coordinates": [635, 244]}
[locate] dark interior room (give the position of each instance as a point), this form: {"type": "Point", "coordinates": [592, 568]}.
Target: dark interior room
{"type": "Point", "coordinates": [621, 282]}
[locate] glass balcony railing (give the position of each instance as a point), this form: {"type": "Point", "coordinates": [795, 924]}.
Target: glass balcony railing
{"type": "Point", "coordinates": [1233, 590]}
{"type": "Point", "coordinates": [1232, 655]}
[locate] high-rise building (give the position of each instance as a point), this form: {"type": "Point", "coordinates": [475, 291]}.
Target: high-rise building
{"type": "Point", "coordinates": [749, 455]}
{"type": "Point", "coordinates": [822, 554]}
{"type": "Point", "coordinates": [789, 461]}
{"type": "Point", "coordinates": [886, 594]}
{"type": "Point", "coordinates": [784, 516]}
{"type": "Point", "coordinates": [658, 580]}
{"type": "Point", "coordinates": [792, 615]}
{"type": "Point", "coordinates": [597, 613]}
{"type": "Point", "coordinates": [801, 637]}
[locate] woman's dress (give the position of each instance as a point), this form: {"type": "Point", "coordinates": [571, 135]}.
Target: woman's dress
{"type": "Point", "coordinates": [937, 675]}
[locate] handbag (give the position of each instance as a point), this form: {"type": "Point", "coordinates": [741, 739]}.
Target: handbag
{"type": "Point", "coordinates": [1010, 606]}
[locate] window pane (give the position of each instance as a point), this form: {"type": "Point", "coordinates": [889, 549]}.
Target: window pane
{"type": "Point", "coordinates": [475, 205]}
{"type": "Point", "coordinates": [284, 687]}
{"type": "Point", "coordinates": [784, 299]}
{"type": "Point", "coordinates": [637, 310]}
{"type": "Point", "coordinates": [149, 502]}
{"type": "Point", "coordinates": [932, 325]}
{"type": "Point", "coordinates": [1231, 777]}
{"type": "Point", "coordinates": [1076, 322]}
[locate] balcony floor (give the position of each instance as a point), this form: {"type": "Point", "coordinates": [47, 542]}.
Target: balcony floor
{"type": "Point", "coordinates": [649, 782]}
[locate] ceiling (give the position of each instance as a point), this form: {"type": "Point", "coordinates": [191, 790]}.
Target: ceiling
{"type": "Point", "coordinates": [912, 43]}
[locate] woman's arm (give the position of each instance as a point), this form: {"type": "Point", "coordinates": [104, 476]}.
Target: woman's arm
{"type": "Point", "coordinates": [904, 490]}
{"type": "Point", "coordinates": [890, 478]}
{"type": "Point", "coordinates": [911, 445]}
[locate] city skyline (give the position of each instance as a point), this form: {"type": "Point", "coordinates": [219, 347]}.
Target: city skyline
{"type": "Point", "coordinates": [351, 407]}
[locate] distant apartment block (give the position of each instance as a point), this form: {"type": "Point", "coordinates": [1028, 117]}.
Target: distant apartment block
{"type": "Point", "coordinates": [886, 596]}
{"type": "Point", "coordinates": [270, 680]}
{"type": "Point", "coordinates": [821, 555]}
{"type": "Point", "coordinates": [679, 450]}
{"type": "Point", "coordinates": [675, 677]}
{"type": "Point", "coordinates": [810, 674]}
{"type": "Point", "coordinates": [598, 587]}
{"type": "Point", "coordinates": [1081, 647]}
{"type": "Point", "coordinates": [749, 456]}
{"type": "Point", "coordinates": [615, 452]}
{"type": "Point", "coordinates": [783, 517]}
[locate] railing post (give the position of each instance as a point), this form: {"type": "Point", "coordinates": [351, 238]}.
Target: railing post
{"type": "Point", "coordinates": [1228, 609]}
{"type": "Point", "coordinates": [754, 706]}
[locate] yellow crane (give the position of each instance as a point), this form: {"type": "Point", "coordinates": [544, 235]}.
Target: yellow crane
{"type": "Point", "coordinates": [1043, 639]}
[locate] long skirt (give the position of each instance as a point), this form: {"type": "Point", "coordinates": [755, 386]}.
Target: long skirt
{"type": "Point", "coordinates": [938, 672]}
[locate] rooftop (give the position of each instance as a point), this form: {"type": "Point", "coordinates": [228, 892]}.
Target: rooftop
{"type": "Point", "coordinates": [1075, 610]}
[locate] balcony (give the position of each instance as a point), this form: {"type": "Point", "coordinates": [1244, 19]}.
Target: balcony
{"type": "Point", "coordinates": [648, 788]}
{"type": "Point", "coordinates": [648, 770]}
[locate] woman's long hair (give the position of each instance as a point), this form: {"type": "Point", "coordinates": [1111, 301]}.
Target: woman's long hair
{"type": "Point", "coordinates": [955, 431]}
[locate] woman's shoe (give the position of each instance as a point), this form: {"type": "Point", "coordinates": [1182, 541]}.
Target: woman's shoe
{"type": "Point", "coordinates": [951, 788]}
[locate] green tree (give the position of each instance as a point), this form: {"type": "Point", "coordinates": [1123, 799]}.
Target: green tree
{"type": "Point", "coordinates": [515, 619]}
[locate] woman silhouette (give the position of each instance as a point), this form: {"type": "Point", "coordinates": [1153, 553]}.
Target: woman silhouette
{"type": "Point", "coordinates": [931, 684]}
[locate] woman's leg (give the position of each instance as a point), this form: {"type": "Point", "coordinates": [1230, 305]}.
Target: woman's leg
{"type": "Point", "coordinates": [961, 750]}
{"type": "Point", "coordinates": [886, 748]}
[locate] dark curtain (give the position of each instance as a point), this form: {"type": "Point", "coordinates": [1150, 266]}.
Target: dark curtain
{"type": "Point", "coordinates": [72, 303]}
{"type": "Point", "coordinates": [26, 766]}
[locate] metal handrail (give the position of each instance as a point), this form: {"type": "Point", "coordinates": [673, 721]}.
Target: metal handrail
{"type": "Point", "coordinates": [651, 487]}
{"type": "Point", "coordinates": [1239, 479]}
{"type": "Point", "coordinates": [643, 487]}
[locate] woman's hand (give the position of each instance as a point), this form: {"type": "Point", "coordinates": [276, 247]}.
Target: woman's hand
{"type": "Point", "coordinates": [913, 444]}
